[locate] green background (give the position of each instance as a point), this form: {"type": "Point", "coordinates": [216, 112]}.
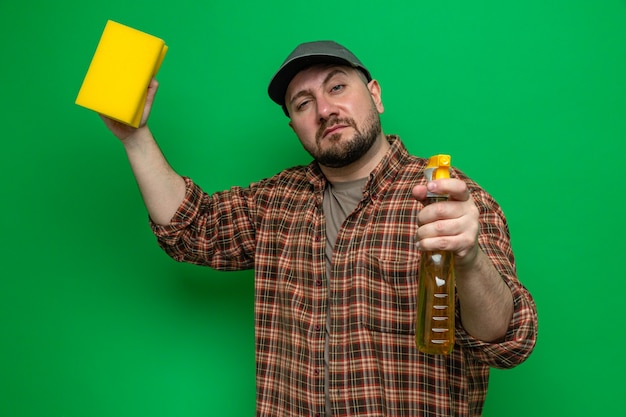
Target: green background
{"type": "Point", "coordinates": [529, 98]}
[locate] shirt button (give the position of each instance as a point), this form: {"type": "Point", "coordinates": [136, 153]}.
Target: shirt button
{"type": "Point", "coordinates": [318, 327]}
{"type": "Point", "coordinates": [318, 282]}
{"type": "Point", "coordinates": [316, 372]}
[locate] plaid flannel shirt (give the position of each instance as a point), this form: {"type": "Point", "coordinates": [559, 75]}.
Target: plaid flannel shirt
{"type": "Point", "coordinates": [277, 227]}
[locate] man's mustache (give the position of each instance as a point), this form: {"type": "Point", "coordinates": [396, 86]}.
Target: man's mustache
{"type": "Point", "coordinates": [332, 122]}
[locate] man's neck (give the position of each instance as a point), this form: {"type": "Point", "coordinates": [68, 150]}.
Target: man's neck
{"type": "Point", "coordinates": [362, 167]}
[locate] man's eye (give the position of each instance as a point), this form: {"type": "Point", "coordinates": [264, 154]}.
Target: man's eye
{"type": "Point", "coordinates": [302, 104]}
{"type": "Point", "coordinates": [337, 87]}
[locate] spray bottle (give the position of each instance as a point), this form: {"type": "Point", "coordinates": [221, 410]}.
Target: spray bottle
{"type": "Point", "coordinates": [435, 302]}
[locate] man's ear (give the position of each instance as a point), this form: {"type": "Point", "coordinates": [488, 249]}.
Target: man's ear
{"type": "Point", "coordinates": [291, 125]}
{"type": "Point", "coordinates": [376, 93]}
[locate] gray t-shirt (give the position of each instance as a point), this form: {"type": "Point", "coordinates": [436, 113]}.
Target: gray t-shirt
{"type": "Point", "coordinates": [340, 199]}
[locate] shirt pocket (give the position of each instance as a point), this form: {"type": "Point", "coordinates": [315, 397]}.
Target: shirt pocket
{"type": "Point", "coordinates": [387, 294]}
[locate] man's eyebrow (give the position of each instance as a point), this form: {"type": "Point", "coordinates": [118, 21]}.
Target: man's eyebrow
{"type": "Point", "coordinates": [333, 73]}
{"type": "Point", "coordinates": [328, 77]}
{"type": "Point", "coordinates": [298, 94]}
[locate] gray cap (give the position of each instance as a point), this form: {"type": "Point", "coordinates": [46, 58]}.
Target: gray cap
{"type": "Point", "coordinates": [306, 55]}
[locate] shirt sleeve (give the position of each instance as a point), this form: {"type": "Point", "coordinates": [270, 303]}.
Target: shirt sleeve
{"type": "Point", "coordinates": [211, 230]}
{"type": "Point", "coordinates": [519, 341]}
{"type": "Point", "coordinates": [521, 335]}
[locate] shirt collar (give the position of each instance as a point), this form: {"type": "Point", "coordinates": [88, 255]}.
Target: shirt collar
{"type": "Point", "coordinates": [387, 169]}
{"type": "Point", "coordinates": [379, 178]}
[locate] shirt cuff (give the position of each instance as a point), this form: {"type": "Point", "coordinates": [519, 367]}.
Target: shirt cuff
{"type": "Point", "coordinates": [184, 215]}
{"type": "Point", "coordinates": [518, 342]}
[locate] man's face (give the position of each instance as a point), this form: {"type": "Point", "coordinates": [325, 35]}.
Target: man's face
{"type": "Point", "coordinates": [334, 113]}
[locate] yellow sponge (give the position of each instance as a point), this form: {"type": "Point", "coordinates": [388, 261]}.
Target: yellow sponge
{"type": "Point", "coordinates": [117, 80]}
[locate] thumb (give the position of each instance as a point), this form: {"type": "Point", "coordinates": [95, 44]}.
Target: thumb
{"type": "Point", "coordinates": [152, 90]}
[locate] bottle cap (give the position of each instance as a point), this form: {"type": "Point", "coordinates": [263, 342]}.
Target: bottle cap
{"type": "Point", "coordinates": [438, 167]}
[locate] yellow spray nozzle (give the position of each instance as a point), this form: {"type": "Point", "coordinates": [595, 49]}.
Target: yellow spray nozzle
{"type": "Point", "coordinates": [438, 167]}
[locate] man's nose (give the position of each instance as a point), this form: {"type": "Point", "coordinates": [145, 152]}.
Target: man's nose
{"type": "Point", "coordinates": [326, 108]}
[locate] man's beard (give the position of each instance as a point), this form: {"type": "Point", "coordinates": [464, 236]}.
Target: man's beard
{"type": "Point", "coordinates": [339, 155]}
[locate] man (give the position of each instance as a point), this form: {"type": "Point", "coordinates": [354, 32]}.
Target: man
{"type": "Point", "coordinates": [335, 246]}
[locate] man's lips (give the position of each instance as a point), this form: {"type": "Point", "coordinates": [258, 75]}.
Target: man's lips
{"type": "Point", "coordinates": [333, 129]}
